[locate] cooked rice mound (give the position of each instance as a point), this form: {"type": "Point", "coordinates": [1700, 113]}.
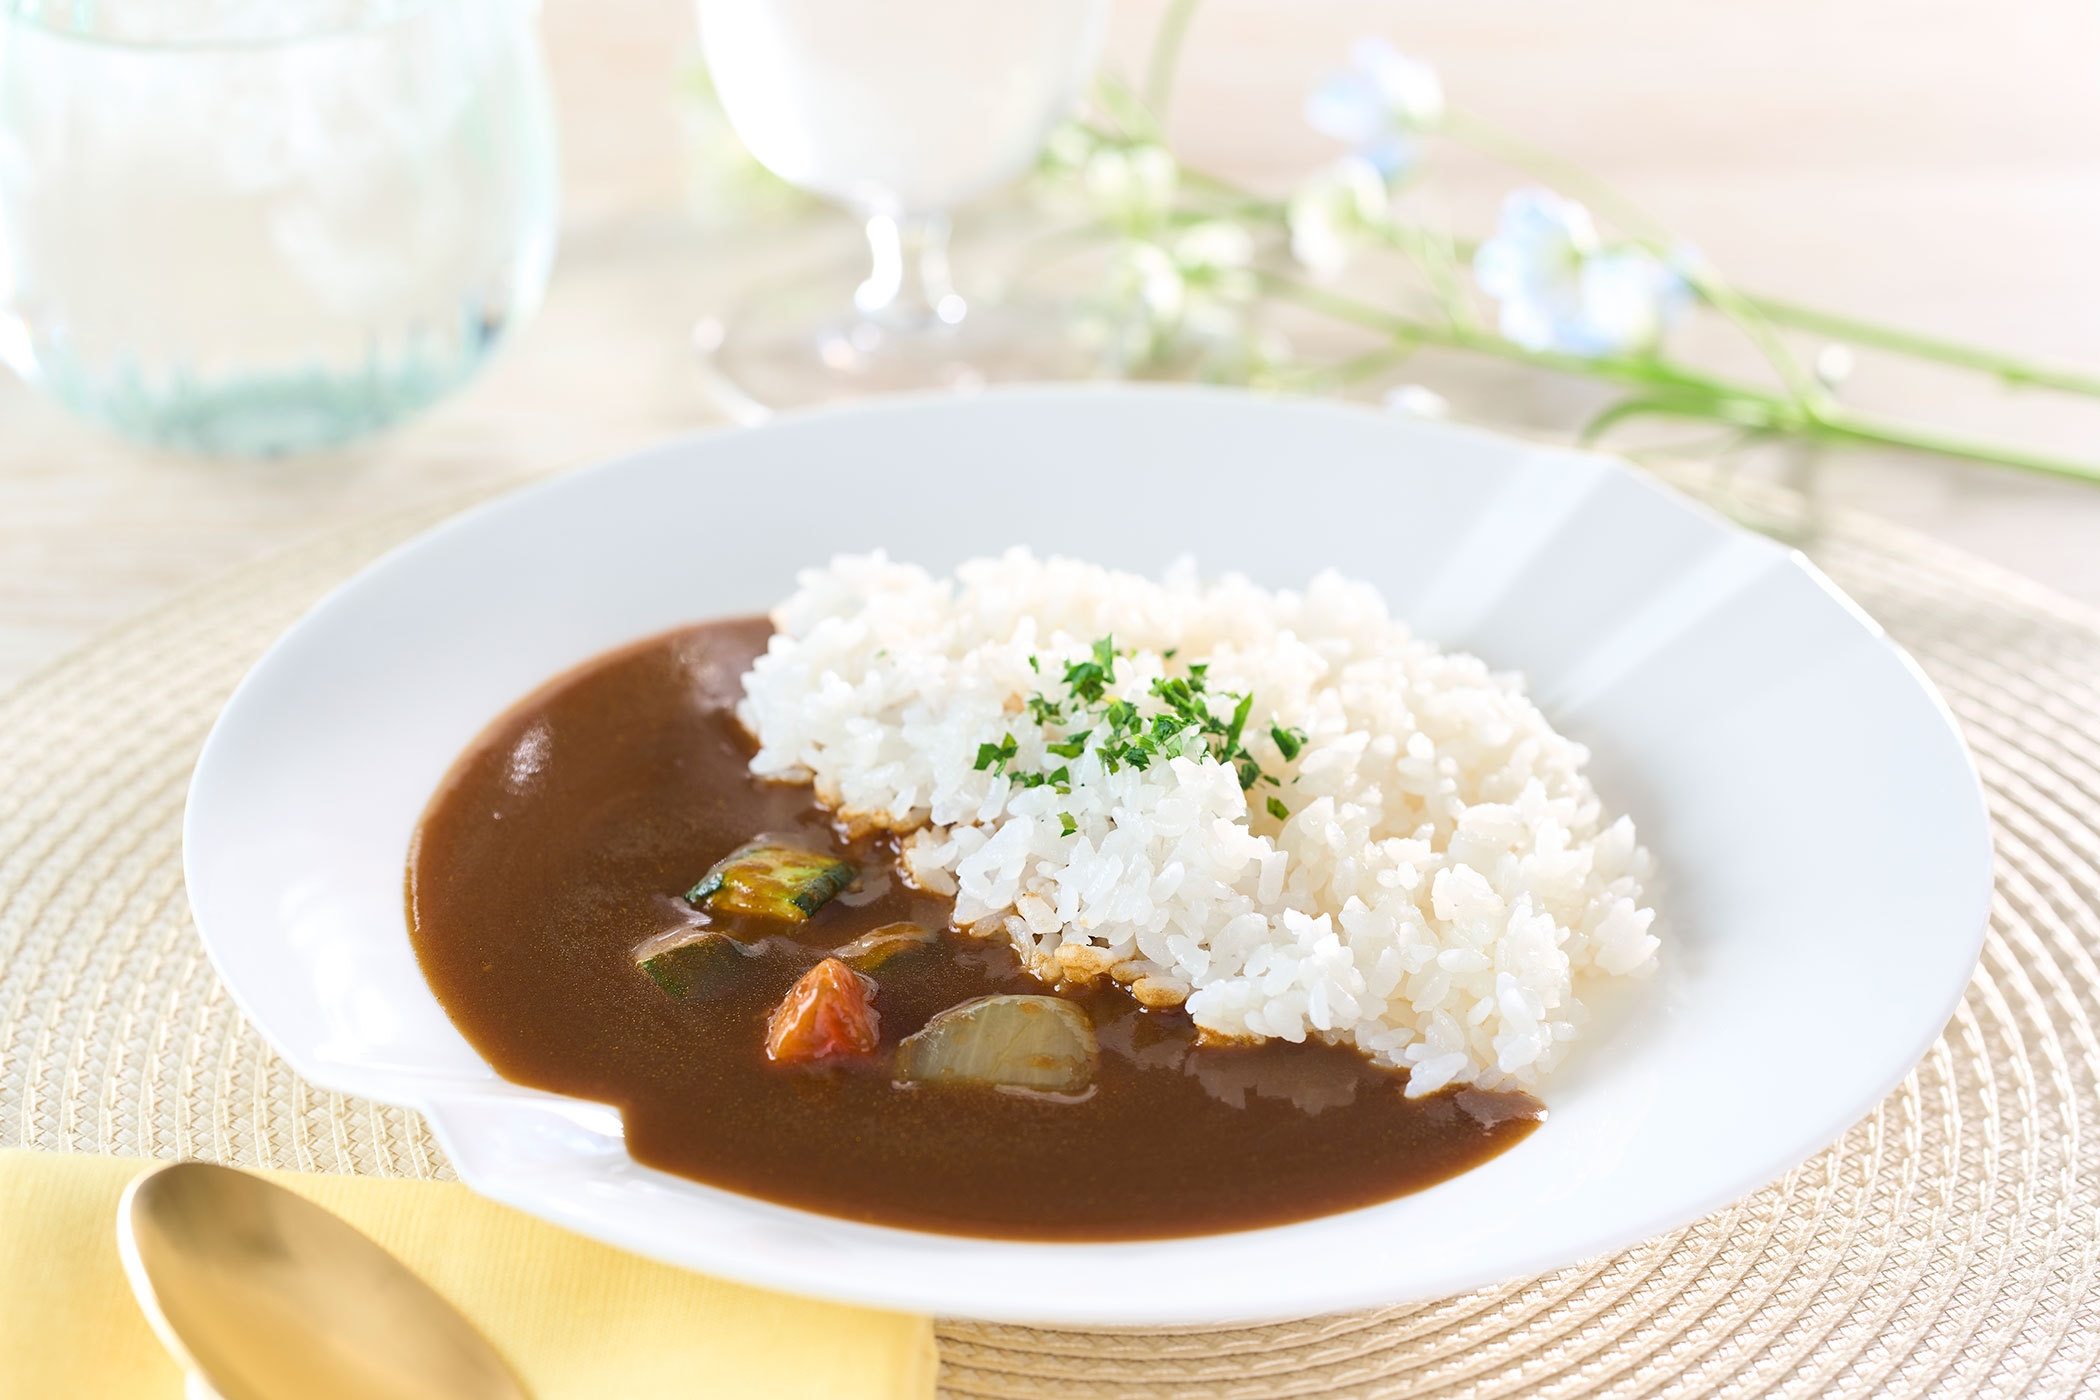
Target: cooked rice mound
{"type": "Point", "coordinates": [1445, 875]}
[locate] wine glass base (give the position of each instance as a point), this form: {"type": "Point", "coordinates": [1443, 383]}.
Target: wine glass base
{"type": "Point", "coordinates": [796, 347]}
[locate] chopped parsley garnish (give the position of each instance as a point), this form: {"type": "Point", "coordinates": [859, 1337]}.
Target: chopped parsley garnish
{"type": "Point", "coordinates": [1087, 680]}
{"type": "Point", "coordinates": [1072, 747]}
{"type": "Point", "coordinates": [1125, 736]}
{"type": "Point", "coordinates": [996, 756]}
{"type": "Point", "coordinates": [1278, 810]}
{"type": "Point", "coordinates": [1070, 826]}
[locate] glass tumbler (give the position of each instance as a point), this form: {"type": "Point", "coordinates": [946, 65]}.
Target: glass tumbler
{"type": "Point", "coordinates": [262, 226]}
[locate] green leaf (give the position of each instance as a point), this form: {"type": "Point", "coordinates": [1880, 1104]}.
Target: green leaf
{"type": "Point", "coordinates": [995, 756]}
{"type": "Point", "coordinates": [1239, 721]}
{"type": "Point", "coordinates": [1278, 810]}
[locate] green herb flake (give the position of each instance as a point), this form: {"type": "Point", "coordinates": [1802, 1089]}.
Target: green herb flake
{"type": "Point", "coordinates": [1289, 742]}
{"type": "Point", "coordinates": [996, 756]}
{"type": "Point", "coordinates": [1065, 820]}
{"type": "Point", "coordinates": [1089, 680]}
{"type": "Point", "coordinates": [1239, 721]}
{"type": "Point", "coordinates": [1278, 810]}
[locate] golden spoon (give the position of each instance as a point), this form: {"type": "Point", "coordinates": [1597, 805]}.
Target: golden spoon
{"type": "Point", "coordinates": [262, 1295]}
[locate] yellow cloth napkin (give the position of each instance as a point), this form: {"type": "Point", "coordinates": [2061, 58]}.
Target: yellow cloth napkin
{"type": "Point", "coordinates": [573, 1317]}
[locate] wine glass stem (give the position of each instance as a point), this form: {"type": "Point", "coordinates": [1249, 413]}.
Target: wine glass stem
{"type": "Point", "coordinates": [908, 287]}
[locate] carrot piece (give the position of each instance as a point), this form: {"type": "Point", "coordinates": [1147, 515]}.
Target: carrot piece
{"type": "Point", "coordinates": [827, 1013]}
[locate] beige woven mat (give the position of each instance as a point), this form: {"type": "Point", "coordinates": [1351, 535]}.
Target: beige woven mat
{"type": "Point", "coordinates": [1946, 1245]}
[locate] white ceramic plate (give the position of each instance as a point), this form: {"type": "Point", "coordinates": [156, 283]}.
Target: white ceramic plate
{"type": "Point", "coordinates": [1824, 851]}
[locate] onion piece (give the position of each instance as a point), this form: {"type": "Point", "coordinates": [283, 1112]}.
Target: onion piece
{"type": "Point", "coordinates": [1025, 1042]}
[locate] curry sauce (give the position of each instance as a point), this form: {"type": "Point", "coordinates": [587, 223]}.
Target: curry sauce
{"type": "Point", "coordinates": [567, 838]}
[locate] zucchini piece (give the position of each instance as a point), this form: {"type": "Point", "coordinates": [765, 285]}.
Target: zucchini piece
{"type": "Point", "coordinates": [703, 966]}
{"type": "Point", "coordinates": [881, 946]}
{"type": "Point", "coordinates": [771, 880]}
{"type": "Point", "coordinates": [1026, 1042]}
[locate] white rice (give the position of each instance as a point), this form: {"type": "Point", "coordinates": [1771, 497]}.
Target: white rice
{"type": "Point", "coordinates": [1445, 876]}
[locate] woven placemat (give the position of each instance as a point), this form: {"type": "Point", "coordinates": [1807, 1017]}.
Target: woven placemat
{"type": "Point", "coordinates": [1946, 1245]}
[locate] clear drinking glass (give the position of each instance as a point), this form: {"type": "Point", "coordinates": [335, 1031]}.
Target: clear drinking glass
{"type": "Point", "coordinates": [257, 226]}
{"type": "Point", "coordinates": [902, 112]}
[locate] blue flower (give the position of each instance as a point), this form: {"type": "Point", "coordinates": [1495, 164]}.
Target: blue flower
{"type": "Point", "coordinates": [1378, 104]}
{"type": "Point", "coordinates": [1559, 288]}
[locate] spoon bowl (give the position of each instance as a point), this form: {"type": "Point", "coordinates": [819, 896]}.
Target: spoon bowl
{"type": "Point", "coordinates": [262, 1295]}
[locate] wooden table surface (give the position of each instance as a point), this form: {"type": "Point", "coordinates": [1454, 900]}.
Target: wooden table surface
{"type": "Point", "coordinates": [1932, 162]}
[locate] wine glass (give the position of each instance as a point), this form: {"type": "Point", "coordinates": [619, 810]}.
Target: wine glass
{"type": "Point", "coordinates": [902, 112]}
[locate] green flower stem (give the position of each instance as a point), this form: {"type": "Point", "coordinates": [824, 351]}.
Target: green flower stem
{"type": "Point", "coordinates": [1436, 258]}
{"type": "Point", "coordinates": [1639, 371]}
{"type": "Point", "coordinates": [1243, 203]}
{"type": "Point", "coordinates": [2007, 369]}
{"type": "Point", "coordinates": [1165, 59]}
{"type": "Point", "coordinates": [1563, 175]}
{"type": "Point", "coordinates": [1843, 426]}
{"type": "Point", "coordinates": [1662, 387]}
{"type": "Point", "coordinates": [2010, 370]}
